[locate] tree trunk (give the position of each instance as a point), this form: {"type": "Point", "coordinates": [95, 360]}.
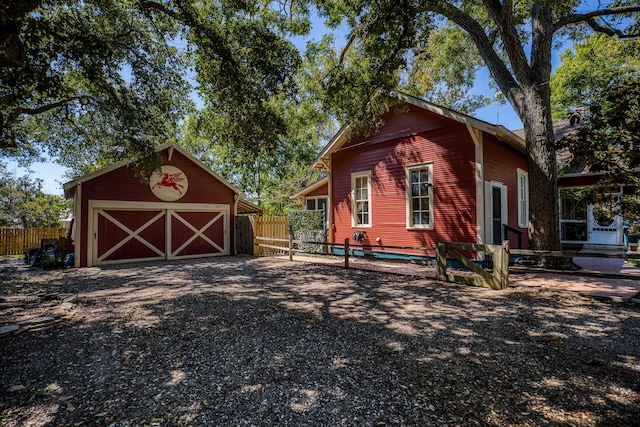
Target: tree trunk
{"type": "Point", "coordinates": [544, 231]}
{"type": "Point", "coordinates": [544, 218]}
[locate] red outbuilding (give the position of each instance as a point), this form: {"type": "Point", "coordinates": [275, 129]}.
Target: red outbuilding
{"type": "Point", "coordinates": [185, 211]}
{"type": "Point", "coordinates": [430, 174]}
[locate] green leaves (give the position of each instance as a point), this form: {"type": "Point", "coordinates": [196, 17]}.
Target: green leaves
{"type": "Point", "coordinates": [101, 79]}
{"type": "Point", "coordinates": [266, 176]}
{"type": "Point", "coordinates": [444, 69]}
{"type": "Point", "coordinates": [598, 86]}
{"type": "Point", "coordinates": [589, 68]}
{"type": "Point", "coordinates": [395, 45]}
{"type": "Point", "coordinates": [23, 204]}
{"type": "Point", "coordinates": [243, 65]}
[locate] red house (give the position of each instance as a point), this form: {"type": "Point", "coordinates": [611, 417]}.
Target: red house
{"type": "Point", "coordinates": [430, 174]}
{"type": "Point", "coordinates": [186, 211]}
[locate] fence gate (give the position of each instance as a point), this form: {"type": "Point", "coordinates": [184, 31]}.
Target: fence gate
{"type": "Point", "coordinates": [244, 235]}
{"type": "Point", "coordinates": [499, 279]}
{"type": "Point", "coordinates": [270, 232]}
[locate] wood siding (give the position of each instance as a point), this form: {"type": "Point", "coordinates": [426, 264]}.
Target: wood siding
{"type": "Point", "coordinates": [122, 185]}
{"type": "Point", "coordinates": [415, 136]}
{"type": "Point", "coordinates": [323, 190]}
{"type": "Point", "coordinates": [500, 164]}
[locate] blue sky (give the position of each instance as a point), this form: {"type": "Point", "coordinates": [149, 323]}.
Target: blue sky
{"type": "Point", "coordinates": [52, 173]}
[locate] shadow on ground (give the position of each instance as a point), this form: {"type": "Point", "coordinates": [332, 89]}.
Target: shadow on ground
{"type": "Point", "coordinates": [242, 341]}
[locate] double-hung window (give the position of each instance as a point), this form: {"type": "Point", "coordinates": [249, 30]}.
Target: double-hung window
{"type": "Point", "coordinates": [420, 196]}
{"type": "Point", "coordinates": [523, 198]}
{"type": "Point", "coordinates": [361, 196]}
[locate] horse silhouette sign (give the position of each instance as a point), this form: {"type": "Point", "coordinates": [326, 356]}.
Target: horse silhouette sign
{"type": "Point", "coordinates": [169, 185]}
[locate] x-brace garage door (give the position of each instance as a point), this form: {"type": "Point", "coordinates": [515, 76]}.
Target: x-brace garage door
{"type": "Point", "coordinates": [139, 231]}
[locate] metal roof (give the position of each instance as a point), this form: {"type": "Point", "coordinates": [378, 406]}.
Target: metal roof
{"type": "Point", "coordinates": [244, 207]}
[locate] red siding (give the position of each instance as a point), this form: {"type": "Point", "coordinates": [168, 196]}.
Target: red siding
{"type": "Point", "coordinates": [323, 190]}
{"type": "Point", "coordinates": [402, 122]}
{"type": "Point", "coordinates": [500, 164]}
{"type": "Point", "coordinates": [122, 184]}
{"type": "Point", "coordinates": [444, 143]}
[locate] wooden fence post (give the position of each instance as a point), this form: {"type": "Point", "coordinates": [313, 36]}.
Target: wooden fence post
{"type": "Point", "coordinates": [504, 265]}
{"type": "Point", "coordinates": [290, 247]}
{"type": "Point", "coordinates": [346, 253]}
{"type": "Point", "coordinates": [496, 281]}
{"type": "Point", "coordinates": [441, 261]}
{"type": "Point", "coordinates": [257, 231]}
{"type": "Point", "coordinates": [501, 266]}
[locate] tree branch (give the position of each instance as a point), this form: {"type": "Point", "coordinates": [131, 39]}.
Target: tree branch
{"type": "Point", "coordinates": [499, 70]}
{"type": "Point", "coordinates": [48, 107]}
{"type": "Point", "coordinates": [541, 41]}
{"type": "Point", "coordinates": [595, 26]}
{"type": "Point", "coordinates": [502, 15]}
{"type": "Point", "coordinates": [146, 4]}
{"type": "Point", "coordinates": [343, 53]}
{"type": "Point", "coordinates": [586, 17]}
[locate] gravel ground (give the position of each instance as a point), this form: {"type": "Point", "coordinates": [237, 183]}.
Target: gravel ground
{"type": "Point", "coordinates": [262, 342]}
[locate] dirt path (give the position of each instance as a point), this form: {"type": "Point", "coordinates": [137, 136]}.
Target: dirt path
{"type": "Point", "coordinates": [243, 341]}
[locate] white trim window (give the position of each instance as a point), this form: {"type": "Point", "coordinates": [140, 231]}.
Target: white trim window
{"type": "Point", "coordinates": [361, 197]}
{"type": "Point", "coordinates": [523, 198]}
{"type": "Point", "coordinates": [316, 203]}
{"type": "Point", "coordinates": [420, 196]}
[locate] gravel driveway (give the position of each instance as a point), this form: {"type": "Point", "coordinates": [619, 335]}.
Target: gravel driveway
{"type": "Point", "coordinates": [263, 342]}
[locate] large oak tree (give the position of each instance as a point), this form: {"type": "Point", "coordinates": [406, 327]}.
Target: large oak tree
{"type": "Point", "coordinates": [514, 40]}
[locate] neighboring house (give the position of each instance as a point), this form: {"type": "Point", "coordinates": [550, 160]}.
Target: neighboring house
{"type": "Point", "coordinates": [582, 222]}
{"type": "Point", "coordinates": [431, 174]}
{"type": "Point", "coordinates": [186, 211]}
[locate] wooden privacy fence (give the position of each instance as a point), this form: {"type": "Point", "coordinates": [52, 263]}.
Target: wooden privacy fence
{"type": "Point", "coordinates": [16, 241]}
{"type": "Point", "coordinates": [269, 233]}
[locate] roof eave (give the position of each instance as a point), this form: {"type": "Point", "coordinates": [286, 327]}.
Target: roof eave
{"type": "Point", "coordinates": [247, 208]}
{"type": "Point", "coordinates": [323, 160]}
{"type": "Point", "coordinates": [498, 131]}
{"type": "Point", "coordinates": [319, 183]}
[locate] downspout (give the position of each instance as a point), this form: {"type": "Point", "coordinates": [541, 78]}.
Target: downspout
{"type": "Point", "coordinates": [236, 199]}
{"type": "Point", "coordinates": [77, 224]}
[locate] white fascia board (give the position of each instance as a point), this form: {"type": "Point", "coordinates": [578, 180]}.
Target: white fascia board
{"type": "Point", "coordinates": [334, 144]}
